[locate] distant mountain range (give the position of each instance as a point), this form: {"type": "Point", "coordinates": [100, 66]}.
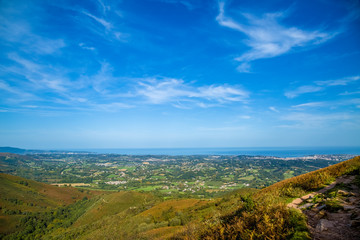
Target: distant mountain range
{"type": "Point", "coordinates": [32, 151]}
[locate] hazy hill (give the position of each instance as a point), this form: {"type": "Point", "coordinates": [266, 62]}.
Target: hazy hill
{"type": "Point", "coordinates": [17, 150]}
{"type": "Point", "coordinates": [242, 214]}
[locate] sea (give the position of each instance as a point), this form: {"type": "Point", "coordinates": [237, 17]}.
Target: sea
{"type": "Point", "coordinates": [251, 151]}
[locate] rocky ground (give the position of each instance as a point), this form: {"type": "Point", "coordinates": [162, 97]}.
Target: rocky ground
{"type": "Point", "coordinates": [334, 211]}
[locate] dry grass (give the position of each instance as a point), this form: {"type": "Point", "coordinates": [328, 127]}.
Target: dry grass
{"type": "Point", "coordinates": [162, 233]}
{"type": "Point", "coordinates": [175, 205]}
{"type": "Point", "coordinates": [296, 186]}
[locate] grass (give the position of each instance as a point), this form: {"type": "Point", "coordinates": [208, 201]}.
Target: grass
{"type": "Point", "coordinates": [19, 196]}
{"type": "Point", "coordinates": [297, 186]}
{"type": "Point", "coordinates": [263, 214]}
{"type": "Point", "coordinates": [174, 205]}
{"type": "Point", "coordinates": [248, 178]}
{"type": "Point", "coordinates": [242, 214]}
{"type": "Point", "coordinates": [112, 204]}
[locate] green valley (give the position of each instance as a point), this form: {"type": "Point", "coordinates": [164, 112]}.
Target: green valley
{"type": "Point", "coordinates": [34, 210]}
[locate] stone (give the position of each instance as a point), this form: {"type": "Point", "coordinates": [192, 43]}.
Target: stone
{"type": "Point", "coordinates": [297, 201]}
{"type": "Point", "coordinates": [321, 207]}
{"type": "Point", "coordinates": [307, 205]}
{"type": "Point", "coordinates": [355, 223]}
{"type": "Point", "coordinates": [306, 197]}
{"type": "Point", "coordinates": [324, 225]}
{"type": "Point", "coordinates": [348, 207]}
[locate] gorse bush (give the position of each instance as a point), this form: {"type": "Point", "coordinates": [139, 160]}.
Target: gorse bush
{"type": "Point", "coordinates": [264, 221]}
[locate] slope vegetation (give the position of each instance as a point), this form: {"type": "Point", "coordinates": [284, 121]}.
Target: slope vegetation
{"type": "Point", "coordinates": [67, 213]}
{"type": "Point", "coordinates": [20, 197]}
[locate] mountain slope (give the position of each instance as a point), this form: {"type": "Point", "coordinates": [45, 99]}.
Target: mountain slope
{"type": "Point", "coordinates": [243, 214]}
{"type": "Point", "coordinates": [264, 215]}
{"type": "Point", "coordinates": [20, 196]}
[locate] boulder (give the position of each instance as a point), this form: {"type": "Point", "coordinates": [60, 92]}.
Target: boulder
{"type": "Point", "coordinates": [324, 225]}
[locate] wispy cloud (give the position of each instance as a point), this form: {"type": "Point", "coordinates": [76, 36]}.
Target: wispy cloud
{"type": "Point", "coordinates": [303, 89]}
{"type": "Point", "coordinates": [84, 46]}
{"type": "Point", "coordinates": [40, 75]}
{"type": "Point", "coordinates": [107, 25]}
{"type": "Point", "coordinates": [268, 38]}
{"type": "Point", "coordinates": [346, 93]}
{"type": "Point", "coordinates": [338, 82]}
{"type": "Point", "coordinates": [170, 90]}
{"type": "Point", "coordinates": [191, 5]}
{"type": "Point", "coordinates": [329, 104]}
{"type": "Point", "coordinates": [104, 7]}
{"type": "Point", "coordinates": [320, 86]}
{"type": "Point", "coordinates": [20, 33]}
{"type": "Point", "coordinates": [274, 109]}
{"type": "Point", "coordinates": [309, 104]}
{"type": "Point", "coordinates": [308, 120]}
{"type": "Point", "coordinates": [17, 95]}
{"type": "Point", "coordinates": [101, 91]}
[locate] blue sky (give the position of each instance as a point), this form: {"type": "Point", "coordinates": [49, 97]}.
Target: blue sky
{"type": "Point", "coordinates": [179, 73]}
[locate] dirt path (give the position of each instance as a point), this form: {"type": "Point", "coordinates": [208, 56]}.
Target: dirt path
{"type": "Point", "coordinates": [333, 212]}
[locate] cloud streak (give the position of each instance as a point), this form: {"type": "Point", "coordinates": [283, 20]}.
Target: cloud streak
{"type": "Point", "coordinates": [320, 86]}
{"type": "Point", "coordinates": [170, 90]}
{"type": "Point", "coordinates": [267, 38]}
{"type": "Point", "coordinates": [308, 120]}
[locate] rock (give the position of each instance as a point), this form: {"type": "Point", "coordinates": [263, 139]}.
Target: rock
{"type": "Point", "coordinates": [348, 207]}
{"type": "Point", "coordinates": [354, 216]}
{"type": "Point", "coordinates": [306, 197]}
{"type": "Point", "coordinates": [297, 201]}
{"type": "Point", "coordinates": [307, 205]}
{"type": "Point", "coordinates": [321, 214]}
{"type": "Point", "coordinates": [353, 200]}
{"type": "Point", "coordinates": [324, 225]}
{"type": "Point", "coordinates": [321, 207]}
{"type": "Point", "coordinates": [355, 223]}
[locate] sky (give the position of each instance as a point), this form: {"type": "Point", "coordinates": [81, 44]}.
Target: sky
{"type": "Point", "coordinates": [179, 73]}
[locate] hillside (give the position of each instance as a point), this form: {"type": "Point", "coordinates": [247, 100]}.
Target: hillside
{"type": "Point", "coordinates": [20, 196]}
{"type": "Point", "coordinates": [242, 214]}
{"type": "Point", "coordinates": [13, 150]}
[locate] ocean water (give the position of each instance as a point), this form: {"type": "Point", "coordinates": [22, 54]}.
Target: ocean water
{"type": "Point", "coordinates": [258, 151]}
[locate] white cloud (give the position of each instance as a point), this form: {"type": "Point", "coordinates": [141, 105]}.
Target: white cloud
{"type": "Point", "coordinates": [329, 104]}
{"type": "Point", "coordinates": [346, 93]}
{"type": "Point", "coordinates": [310, 104]}
{"type": "Point", "coordinates": [41, 76]}
{"type": "Point", "coordinates": [302, 90]}
{"type": "Point", "coordinates": [318, 121]}
{"type": "Point", "coordinates": [321, 85]}
{"type": "Point", "coordinates": [274, 109]}
{"type": "Point", "coordinates": [103, 6]}
{"type": "Point", "coordinates": [111, 107]}
{"type": "Point", "coordinates": [267, 38]}
{"type": "Point", "coordinates": [107, 25]}
{"type": "Point", "coordinates": [191, 5]}
{"type": "Point", "coordinates": [338, 82]}
{"type": "Point", "coordinates": [20, 33]}
{"type": "Point", "coordinates": [244, 117]}
{"type": "Point", "coordinates": [20, 95]}
{"type": "Point", "coordinates": [165, 90]}
{"type": "Point", "coordinates": [83, 46]}
{"type": "Point", "coordinates": [244, 67]}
